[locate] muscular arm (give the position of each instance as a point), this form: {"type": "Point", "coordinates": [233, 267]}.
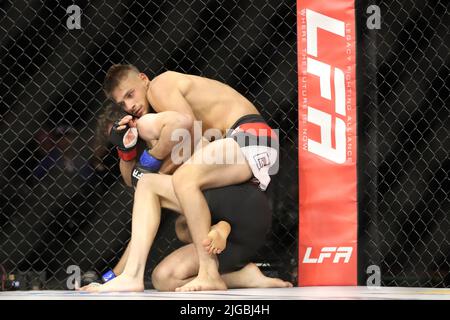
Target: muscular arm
{"type": "Point", "coordinates": [167, 94]}
{"type": "Point", "coordinates": [126, 167]}
{"type": "Point", "coordinates": [150, 127]}
{"type": "Point", "coordinates": [158, 127]}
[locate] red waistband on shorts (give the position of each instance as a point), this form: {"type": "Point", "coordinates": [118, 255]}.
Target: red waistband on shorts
{"type": "Point", "coordinates": [259, 129]}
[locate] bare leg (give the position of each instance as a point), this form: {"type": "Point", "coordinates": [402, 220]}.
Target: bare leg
{"type": "Point", "coordinates": [177, 269]}
{"type": "Point", "coordinates": [118, 269]}
{"type": "Point", "coordinates": [181, 267]}
{"type": "Point", "coordinates": [189, 181]}
{"type": "Point", "coordinates": [152, 191]}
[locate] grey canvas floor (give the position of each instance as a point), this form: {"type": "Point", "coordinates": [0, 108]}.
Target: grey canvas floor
{"type": "Point", "coordinates": [303, 293]}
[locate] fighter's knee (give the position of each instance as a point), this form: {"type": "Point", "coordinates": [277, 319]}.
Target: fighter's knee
{"type": "Point", "coordinates": [185, 179]}
{"type": "Point", "coordinates": [145, 127]}
{"type": "Point", "coordinates": [161, 278]}
{"type": "Point", "coordinates": [143, 121]}
{"type": "Point", "coordinates": [148, 181]}
{"type": "Point", "coordinates": [178, 177]}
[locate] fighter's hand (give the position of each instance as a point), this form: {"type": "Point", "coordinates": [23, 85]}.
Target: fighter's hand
{"type": "Point", "coordinates": [130, 120]}
{"type": "Point", "coordinates": [124, 134]}
{"type": "Point", "coordinates": [130, 137]}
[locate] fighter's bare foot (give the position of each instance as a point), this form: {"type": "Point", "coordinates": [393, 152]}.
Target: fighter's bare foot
{"type": "Point", "coordinates": [122, 283]}
{"type": "Point", "coordinates": [252, 277]}
{"type": "Point", "coordinates": [203, 284]}
{"type": "Point", "coordinates": [216, 240]}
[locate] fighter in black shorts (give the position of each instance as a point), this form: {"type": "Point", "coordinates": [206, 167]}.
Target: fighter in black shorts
{"type": "Point", "coordinates": [243, 206]}
{"type": "Point", "coordinates": [246, 209]}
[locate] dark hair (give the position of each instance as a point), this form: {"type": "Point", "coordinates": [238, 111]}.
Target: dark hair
{"type": "Point", "coordinates": [115, 74]}
{"type": "Point", "coordinates": [110, 113]}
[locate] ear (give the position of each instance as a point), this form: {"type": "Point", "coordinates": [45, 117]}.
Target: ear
{"type": "Point", "coordinates": [143, 76]}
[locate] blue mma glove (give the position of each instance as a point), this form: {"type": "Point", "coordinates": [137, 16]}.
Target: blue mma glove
{"type": "Point", "coordinates": [149, 162]}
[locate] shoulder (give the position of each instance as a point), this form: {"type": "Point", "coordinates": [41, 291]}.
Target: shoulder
{"type": "Point", "coordinates": [167, 76]}
{"type": "Point", "coordinates": [169, 80]}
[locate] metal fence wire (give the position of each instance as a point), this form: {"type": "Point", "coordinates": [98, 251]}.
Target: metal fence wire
{"type": "Point", "coordinates": [403, 132]}
{"type": "Point", "coordinates": [63, 203]}
{"type": "Point", "coordinates": [62, 200]}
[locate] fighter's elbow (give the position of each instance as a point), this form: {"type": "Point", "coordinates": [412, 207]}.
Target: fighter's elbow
{"type": "Point", "coordinates": [185, 121]}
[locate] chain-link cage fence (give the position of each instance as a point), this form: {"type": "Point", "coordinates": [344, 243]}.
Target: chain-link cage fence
{"type": "Point", "coordinates": [403, 163]}
{"type": "Point", "coordinates": [62, 201]}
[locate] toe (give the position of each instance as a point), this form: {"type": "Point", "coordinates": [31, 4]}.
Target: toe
{"type": "Point", "coordinates": [206, 242]}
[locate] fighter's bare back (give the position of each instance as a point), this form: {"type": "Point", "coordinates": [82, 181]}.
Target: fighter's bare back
{"type": "Point", "coordinates": [214, 103]}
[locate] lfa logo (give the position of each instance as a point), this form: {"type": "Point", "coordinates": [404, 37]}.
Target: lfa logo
{"type": "Point", "coordinates": [74, 19]}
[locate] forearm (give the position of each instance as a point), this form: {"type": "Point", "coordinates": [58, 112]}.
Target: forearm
{"type": "Point", "coordinates": [126, 167]}
{"type": "Point", "coordinates": [165, 143]}
{"type": "Point", "coordinates": [182, 154]}
{"type": "Point", "coordinates": [162, 131]}
{"type": "Point", "coordinates": [168, 167]}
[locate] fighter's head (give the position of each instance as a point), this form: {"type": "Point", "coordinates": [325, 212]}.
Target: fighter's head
{"type": "Point", "coordinates": [127, 87]}
{"type": "Point", "coordinates": [105, 121]}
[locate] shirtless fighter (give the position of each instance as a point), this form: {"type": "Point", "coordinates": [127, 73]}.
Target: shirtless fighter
{"type": "Point", "coordinates": [244, 133]}
{"type": "Point", "coordinates": [238, 205]}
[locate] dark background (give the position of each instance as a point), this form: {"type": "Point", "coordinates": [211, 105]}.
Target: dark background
{"type": "Point", "coordinates": [62, 202]}
{"type": "Point", "coordinates": [403, 143]}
